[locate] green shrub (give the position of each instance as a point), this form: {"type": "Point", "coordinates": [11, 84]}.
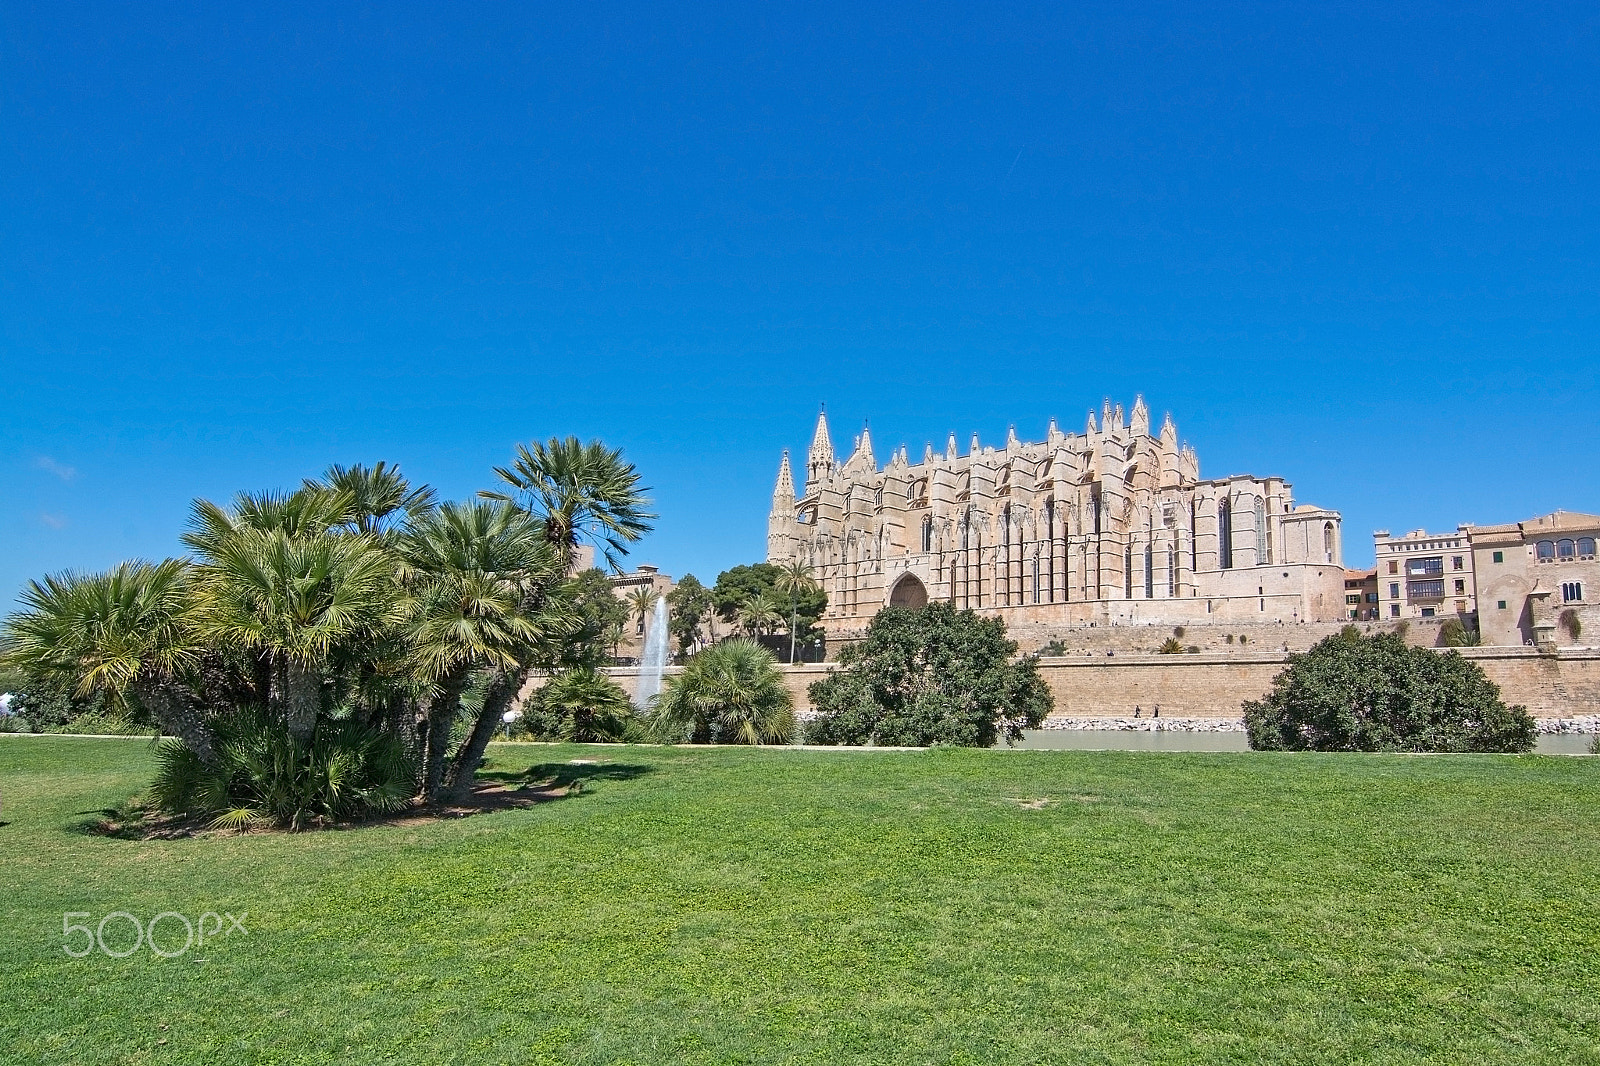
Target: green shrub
{"type": "Point", "coordinates": [1455, 633]}
{"type": "Point", "coordinates": [582, 706]}
{"type": "Point", "coordinates": [11, 723]}
{"type": "Point", "coordinates": [933, 675]}
{"type": "Point", "coordinates": [1571, 623]}
{"type": "Point", "coordinates": [1172, 646]}
{"type": "Point", "coordinates": [731, 693]}
{"type": "Point", "coordinates": [265, 777]}
{"type": "Point", "coordinates": [1355, 693]}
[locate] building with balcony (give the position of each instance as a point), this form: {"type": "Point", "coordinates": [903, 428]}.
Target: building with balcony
{"type": "Point", "coordinates": [1424, 575]}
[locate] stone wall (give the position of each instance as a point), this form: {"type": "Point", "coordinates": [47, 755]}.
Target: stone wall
{"type": "Point", "coordinates": [1563, 685]}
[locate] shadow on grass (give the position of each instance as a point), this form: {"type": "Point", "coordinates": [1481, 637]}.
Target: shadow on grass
{"type": "Point", "coordinates": [569, 777]}
{"type": "Point", "coordinates": [493, 790]}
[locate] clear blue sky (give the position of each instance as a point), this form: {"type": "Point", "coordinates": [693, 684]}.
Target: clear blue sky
{"type": "Point", "coordinates": [1357, 249]}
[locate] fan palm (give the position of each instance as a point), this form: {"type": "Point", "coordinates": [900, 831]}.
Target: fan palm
{"type": "Point", "coordinates": [302, 513]}
{"type": "Point", "coordinates": [584, 706]}
{"type": "Point", "coordinates": [759, 614]}
{"type": "Point", "coordinates": [378, 497]}
{"type": "Point", "coordinates": [472, 567]}
{"type": "Point", "coordinates": [642, 601]}
{"type": "Point", "coordinates": [731, 693]}
{"type": "Point", "coordinates": [294, 600]}
{"type": "Point", "coordinates": [580, 492]}
{"type": "Point", "coordinates": [128, 633]}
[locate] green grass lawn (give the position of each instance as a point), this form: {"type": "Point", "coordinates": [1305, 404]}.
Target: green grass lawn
{"type": "Point", "coordinates": [785, 906]}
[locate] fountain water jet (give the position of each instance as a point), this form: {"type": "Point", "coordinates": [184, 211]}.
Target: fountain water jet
{"type": "Point", "coordinates": [655, 657]}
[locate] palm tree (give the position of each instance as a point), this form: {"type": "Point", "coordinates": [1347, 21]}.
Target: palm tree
{"type": "Point", "coordinates": [379, 498]}
{"type": "Point", "coordinates": [580, 492]}
{"type": "Point", "coordinates": [294, 600]}
{"type": "Point", "coordinates": [759, 614]}
{"type": "Point", "coordinates": [128, 633]}
{"type": "Point", "coordinates": [470, 568]}
{"type": "Point", "coordinates": [587, 705]}
{"type": "Point", "coordinates": [731, 693]}
{"type": "Point", "coordinates": [642, 601]}
{"type": "Point", "coordinates": [794, 579]}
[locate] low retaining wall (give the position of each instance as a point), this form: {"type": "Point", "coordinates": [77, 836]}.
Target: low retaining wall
{"type": "Point", "coordinates": [1560, 686]}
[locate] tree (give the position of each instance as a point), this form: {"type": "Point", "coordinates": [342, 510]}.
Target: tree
{"type": "Point", "coordinates": [580, 706]}
{"type": "Point", "coordinates": [378, 498]}
{"type": "Point", "coordinates": [1457, 634]}
{"type": "Point", "coordinates": [127, 635]}
{"type": "Point", "coordinates": [929, 675]}
{"type": "Point", "coordinates": [730, 693]}
{"type": "Point", "coordinates": [759, 614]}
{"type": "Point", "coordinates": [641, 602]}
{"type": "Point", "coordinates": [736, 586]}
{"type": "Point", "coordinates": [579, 492]}
{"type": "Point", "coordinates": [603, 615]}
{"type": "Point", "coordinates": [326, 647]}
{"type": "Point", "coordinates": [688, 605]}
{"type": "Point", "coordinates": [1356, 693]}
{"type": "Point", "coordinates": [292, 596]}
{"type": "Point", "coordinates": [794, 581]}
{"type": "Point", "coordinates": [471, 567]}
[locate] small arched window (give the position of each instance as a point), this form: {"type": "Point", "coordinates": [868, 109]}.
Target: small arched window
{"type": "Point", "coordinates": [927, 534]}
{"type": "Point", "coordinates": [1327, 540]}
{"type": "Point", "coordinates": [1546, 550]}
{"type": "Point", "coordinates": [1566, 549]}
{"type": "Point", "coordinates": [1586, 546]}
{"type": "Point", "coordinates": [880, 497]}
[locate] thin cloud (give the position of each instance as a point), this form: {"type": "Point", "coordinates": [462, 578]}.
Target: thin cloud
{"type": "Point", "coordinates": [60, 470]}
{"type": "Point", "coordinates": [54, 521]}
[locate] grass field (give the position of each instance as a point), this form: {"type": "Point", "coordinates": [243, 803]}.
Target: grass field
{"type": "Point", "coordinates": [784, 906]}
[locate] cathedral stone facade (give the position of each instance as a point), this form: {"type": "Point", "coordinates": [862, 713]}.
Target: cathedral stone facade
{"type": "Point", "coordinates": [1110, 527]}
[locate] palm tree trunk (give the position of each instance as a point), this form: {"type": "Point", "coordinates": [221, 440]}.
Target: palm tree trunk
{"type": "Point", "coordinates": [442, 711]}
{"type": "Point", "coordinates": [180, 717]}
{"type": "Point", "coordinates": [496, 702]}
{"type": "Point", "coordinates": [298, 692]}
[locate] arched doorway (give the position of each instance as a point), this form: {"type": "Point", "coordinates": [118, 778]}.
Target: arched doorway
{"type": "Point", "coordinates": [909, 591]}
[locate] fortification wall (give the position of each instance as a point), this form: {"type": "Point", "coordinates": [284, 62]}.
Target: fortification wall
{"type": "Point", "coordinates": [1563, 685]}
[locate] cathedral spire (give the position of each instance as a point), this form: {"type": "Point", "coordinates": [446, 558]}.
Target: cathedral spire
{"type": "Point", "coordinates": [819, 461]}
{"type": "Point", "coordinates": [783, 492]}
{"type": "Point", "coordinates": [950, 449]}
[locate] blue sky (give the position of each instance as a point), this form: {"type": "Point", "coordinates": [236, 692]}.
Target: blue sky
{"type": "Point", "coordinates": [1359, 249]}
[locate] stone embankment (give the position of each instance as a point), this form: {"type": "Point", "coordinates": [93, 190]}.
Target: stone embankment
{"type": "Point", "coordinates": [1583, 724]}
{"type": "Point", "coordinates": [1149, 725]}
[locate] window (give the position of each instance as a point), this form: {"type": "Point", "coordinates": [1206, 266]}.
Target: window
{"type": "Point", "coordinates": [1394, 566]}
{"type": "Point", "coordinates": [1425, 567]}
{"type": "Point", "coordinates": [1546, 550]}
{"type": "Point", "coordinates": [927, 534]}
{"type": "Point", "coordinates": [1372, 597]}
{"type": "Point", "coordinates": [1571, 591]}
{"type": "Point", "coordinates": [1394, 590]}
{"type": "Point", "coordinates": [1355, 599]}
{"type": "Point", "coordinates": [1224, 534]}
{"type": "Point", "coordinates": [1499, 557]}
{"type": "Point", "coordinates": [1586, 547]}
{"type": "Point", "coordinates": [1461, 588]}
{"type": "Point", "coordinates": [1394, 610]}
{"type": "Point", "coordinates": [1566, 549]}
{"type": "Point", "coordinates": [1502, 605]}
{"type": "Point", "coordinates": [1455, 562]}
{"type": "Point", "coordinates": [1427, 612]}
{"type": "Point", "coordinates": [1424, 590]}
